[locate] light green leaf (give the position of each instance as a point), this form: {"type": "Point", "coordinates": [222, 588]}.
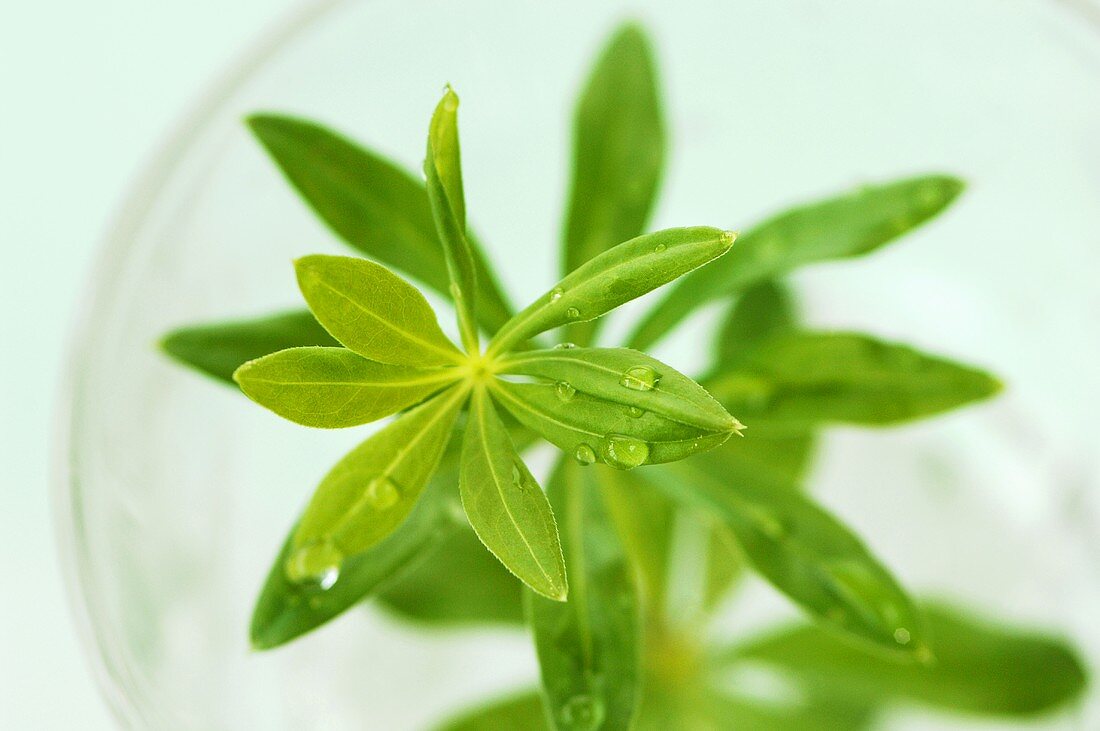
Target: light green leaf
{"type": "Point", "coordinates": [506, 507]}
{"type": "Point", "coordinates": [625, 377]}
{"type": "Point", "coordinates": [456, 581]}
{"type": "Point", "coordinates": [805, 553]}
{"type": "Point", "coordinates": [519, 712]}
{"type": "Point", "coordinates": [289, 609]}
{"type": "Point", "coordinates": [373, 311]}
{"type": "Point", "coordinates": [443, 170]}
{"type": "Point", "coordinates": [589, 648]}
{"type": "Point", "coordinates": [334, 387]}
{"type": "Point", "coordinates": [979, 667]}
{"type": "Point", "coordinates": [797, 381]}
{"type": "Point", "coordinates": [850, 225]}
{"type": "Point", "coordinates": [618, 155]}
{"type": "Point", "coordinates": [644, 519]}
{"type": "Point", "coordinates": [372, 204]}
{"type": "Point", "coordinates": [764, 310]}
{"type": "Point", "coordinates": [590, 428]}
{"type": "Point", "coordinates": [616, 276]}
{"type": "Point", "coordinates": [372, 489]}
{"type": "Point", "coordinates": [219, 349]}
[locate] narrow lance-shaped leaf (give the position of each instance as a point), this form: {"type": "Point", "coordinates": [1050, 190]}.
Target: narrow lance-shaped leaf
{"type": "Point", "coordinates": [519, 712]}
{"type": "Point", "coordinates": [613, 278]}
{"type": "Point", "coordinates": [372, 204]}
{"type": "Point", "coordinates": [979, 668]}
{"type": "Point", "coordinates": [797, 381]}
{"type": "Point", "coordinates": [373, 489]}
{"type": "Point", "coordinates": [443, 170]}
{"type": "Point", "coordinates": [806, 554]}
{"type": "Point", "coordinates": [334, 387]}
{"type": "Point", "coordinates": [618, 155]}
{"type": "Point", "coordinates": [220, 348]}
{"type": "Point", "coordinates": [847, 226]}
{"type": "Point", "coordinates": [506, 507]}
{"type": "Point", "coordinates": [373, 312]}
{"type": "Point", "coordinates": [589, 648]}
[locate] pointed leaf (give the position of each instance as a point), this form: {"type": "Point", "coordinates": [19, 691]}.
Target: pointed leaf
{"type": "Point", "coordinates": [443, 170]}
{"type": "Point", "coordinates": [219, 349]}
{"type": "Point", "coordinates": [372, 204]}
{"type": "Point", "coordinates": [590, 428]}
{"type": "Point", "coordinates": [979, 667]}
{"type": "Point", "coordinates": [626, 377]}
{"type": "Point", "coordinates": [847, 226]}
{"type": "Point", "coordinates": [372, 490]}
{"type": "Point", "coordinates": [333, 387]}
{"type": "Point", "coordinates": [798, 381]}
{"type": "Point", "coordinates": [615, 277]}
{"type": "Point", "coordinates": [373, 311]}
{"type": "Point", "coordinates": [589, 648]}
{"type": "Point", "coordinates": [519, 712]}
{"type": "Point", "coordinates": [764, 310]}
{"type": "Point", "coordinates": [805, 553]}
{"type": "Point", "coordinates": [506, 507]}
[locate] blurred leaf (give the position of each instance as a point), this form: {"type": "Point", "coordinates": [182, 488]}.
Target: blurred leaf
{"type": "Point", "coordinates": [520, 712]}
{"type": "Point", "coordinates": [372, 204]}
{"type": "Point", "coordinates": [589, 648]}
{"type": "Point", "coordinates": [979, 667]}
{"type": "Point", "coordinates": [850, 225]}
{"type": "Point", "coordinates": [613, 278]}
{"type": "Point", "coordinates": [800, 380]}
{"type": "Point", "coordinates": [618, 155]}
{"type": "Point", "coordinates": [506, 506]}
{"type": "Point", "coordinates": [644, 519]}
{"type": "Point", "coordinates": [373, 311]}
{"type": "Point", "coordinates": [334, 387]}
{"type": "Point", "coordinates": [762, 311]}
{"type": "Point", "coordinates": [218, 349]}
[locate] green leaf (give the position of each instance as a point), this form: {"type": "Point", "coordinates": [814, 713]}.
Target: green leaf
{"type": "Point", "coordinates": [979, 667]}
{"type": "Point", "coordinates": [805, 553]}
{"type": "Point", "coordinates": [718, 711]}
{"type": "Point", "coordinates": [506, 507]}
{"type": "Point", "coordinates": [625, 377]}
{"type": "Point", "coordinates": [850, 225]}
{"type": "Point", "coordinates": [519, 712]}
{"type": "Point", "coordinates": [797, 381]}
{"type": "Point", "coordinates": [456, 582]}
{"type": "Point", "coordinates": [219, 349]}
{"type": "Point", "coordinates": [372, 489]}
{"type": "Point", "coordinates": [589, 648]}
{"type": "Point", "coordinates": [764, 310]}
{"type": "Point", "coordinates": [443, 170]}
{"type": "Point", "coordinates": [373, 311]}
{"type": "Point", "coordinates": [616, 276]}
{"type": "Point", "coordinates": [590, 428]}
{"type": "Point", "coordinates": [644, 520]}
{"type": "Point", "coordinates": [334, 387]}
{"type": "Point", "coordinates": [372, 204]}
{"type": "Point", "coordinates": [618, 155]}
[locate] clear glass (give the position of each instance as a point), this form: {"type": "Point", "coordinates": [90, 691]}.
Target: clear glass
{"type": "Point", "coordinates": [174, 492]}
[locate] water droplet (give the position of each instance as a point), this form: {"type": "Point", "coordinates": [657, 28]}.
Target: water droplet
{"type": "Point", "coordinates": [659, 248]}
{"type": "Point", "coordinates": [584, 454]}
{"type": "Point", "coordinates": [317, 562]}
{"type": "Point", "coordinates": [696, 444]}
{"type": "Point", "coordinates": [902, 636]}
{"type": "Point", "coordinates": [729, 236]}
{"type": "Point", "coordinates": [635, 412]}
{"type": "Point", "coordinates": [556, 293]}
{"type": "Point", "coordinates": [565, 391]}
{"type": "Point", "coordinates": [572, 313]}
{"type": "Point", "coordinates": [640, 378]}
{"type": "Point", "coordinates": [582, 712]}
{"type": "Point", "coordinates": [624, 453]}
{"type": "Point", "coordinates": [517, 475]}
{"type": "Point", "coordinates": [382, 493]}
{"type": "Point", "coordinates": [564, 346]}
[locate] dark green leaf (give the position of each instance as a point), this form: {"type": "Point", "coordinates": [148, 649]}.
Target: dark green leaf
{"type": "Point", "coordinates": [851, 225]}
{"type": "Point", "coordinates": [589, 648]}
{"type": "Point", "coordinates": [334, 387]}
{"type": "Point", "coordinates": [764, 310]}
{"type": "Point", "coordinates": [219, 349]}
{"type": "Point", "coordinates": [372, 204]}
{"type": "Point", "coordinates": [520, 712]}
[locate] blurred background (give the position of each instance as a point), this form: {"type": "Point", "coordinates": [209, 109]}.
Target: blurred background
{"type": "Point", "coordinates": [88, 91]}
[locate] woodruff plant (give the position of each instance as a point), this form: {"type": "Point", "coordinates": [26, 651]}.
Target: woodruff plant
{"type": "Point", "coordinates": [619, 572]}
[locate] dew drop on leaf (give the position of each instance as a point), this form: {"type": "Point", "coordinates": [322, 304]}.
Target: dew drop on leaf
{"type": "Point", "coordinates": [659, 248]}
{"type": "Point", "coordinates": [902, 636]}
{"type": "Point", "coordinates": [565, 391]}
{"type": "Point", "coordinates": [640, 378]}
{"type": "Point", "coordinates": [624, 453]}
{"type": "Point", "coordinates": [556, 293]}
{"type": "Point", "coordinates": [582, 712]}
{"type": "Point", "coordinates": [564, 346]}
{"type": "Point", "coordinates": [317, 562]}
{"type": "Point", "coordinates": [584, 454]}
{"type": "Point", "coordinates": [382, 493]}
{"type": "Point", "coordinates": [572, 313]}
{"type": "Point", "coordinates": [635, 412]}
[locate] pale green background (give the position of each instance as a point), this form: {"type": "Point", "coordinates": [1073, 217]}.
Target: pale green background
{"type": "Point", "coordinates": [87, 92]}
